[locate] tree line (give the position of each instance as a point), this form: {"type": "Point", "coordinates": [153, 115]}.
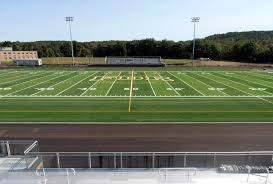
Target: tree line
{"type": "Point", "coordinates": [244, 47]}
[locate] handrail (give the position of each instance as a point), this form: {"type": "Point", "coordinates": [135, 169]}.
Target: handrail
{"type": "Point", "coordinates": [55, 169]}
{"type": "Point", "coordinates": [181, 169]}
{"type": "Point", "coordinates": [266, 177]}
{"type": "Point", "coordinates": [188, 170]}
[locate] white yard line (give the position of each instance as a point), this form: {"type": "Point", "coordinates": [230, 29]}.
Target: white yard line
{"type": "Point", "coordinates": [259, 97]}
{"type": "Point", "coordinates": [187, 84]}
{"type": "Point", "coordinates": [76, 84]}
{"type": "Point", "coordinates": [206, 84]}
{"type": "Point", "coordinates": [15, 78]}
{"type": "Point", "coordinates": [246, 85]}
{"type": "Point", "coordinates": [30, 79]}
{"type": "Point", "coordinates": [112, 85]}
{"type": "Point", "coordinates": [55, 84]}
{"type": "Point", "coordinates": [169, 85]}
{"type": "Point", "coordinates": [131, 92]}
{"type": "Point", "coordinates": [148, 78]}
{"type": "Point", "coordinates": [262, 84]}
{"type": "Point", "coordinates": [35, 84]}
{"type": "Point", "coordinates": [93, 84]}
{"type": "Point", "coordinates": [227, 85]}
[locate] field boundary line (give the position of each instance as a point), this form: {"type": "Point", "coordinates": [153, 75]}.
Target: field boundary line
{"type": "Point", "coordinates": [187, 84]}
{"type": "Point", "coordinates": [35, 84]}
{"type": "Point", "coordinates": [131, 92]}
{"type": "Point", "coordinates": [124, 97]}
{"type": "Point", "coordinates": [108, 91]}
{"type": "Point", "coordinates": [56, 83]}
{"type": "Point", "coordinates": [76, 83]}
{"type": "Point", "coordinates": [148, 78]}
{"type": "Point", "coordinates": [93, 84]}
{"type": "Point", "coordinates": [259, 97]}
{"type": "Point", "coordinates": [169, 84]}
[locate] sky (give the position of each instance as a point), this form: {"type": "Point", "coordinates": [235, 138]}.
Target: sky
{"type": "Point", "coordinates": [98, 20]}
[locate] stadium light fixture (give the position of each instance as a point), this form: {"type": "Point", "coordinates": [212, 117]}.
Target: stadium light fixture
{"type": "Point", "coordinates": [194, 20]}
{"type": "Point", "coordinates": [69, 20]}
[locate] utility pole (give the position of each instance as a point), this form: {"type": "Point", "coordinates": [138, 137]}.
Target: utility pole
{"type": "Point", "coordinates": [194, 20]}
{"type": "Point", "coordinates": [69, 20]}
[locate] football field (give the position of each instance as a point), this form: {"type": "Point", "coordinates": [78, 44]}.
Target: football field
{"type": "Point", "coordinates": [135, 95]}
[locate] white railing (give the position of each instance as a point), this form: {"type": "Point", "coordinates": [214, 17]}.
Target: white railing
{"type": "Point", "coordinates": [258, 175]}
{"type": "Point", "coordinates": [166, 172]}
{"type": "Point", "coordinates": [44, 175]}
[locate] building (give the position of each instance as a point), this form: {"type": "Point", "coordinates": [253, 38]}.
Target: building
{"type": "Point", "coordinates": [7, 54]}
{"type": "Point", "coordinates": [135, 61]}
{"type": "Point", "coordinates": [27, 62]}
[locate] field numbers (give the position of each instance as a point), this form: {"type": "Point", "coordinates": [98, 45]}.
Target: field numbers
{"type": "Point", "coordinates": [5, 89]}
{"type": "Point", "coordinates": [176, 89]}
{"type": "Point", "coordinates": [216, 89]}
{"type": "Point", "coordinates": [258, 89]}
{"type": "Point", "coordinates": [45, 89]}
{"type": "Point", "coordinates": [128, 89]}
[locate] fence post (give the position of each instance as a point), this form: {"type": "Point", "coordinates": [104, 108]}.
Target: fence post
{"type": "Point", "coordinates": [89, 160]}
{"type": "Point", "coordinates": [58, 160]}
{"type": "Point", "coordinates": [214, 160]}
{"type": "Point", "coordinates": [121, 164]}
{"type": "Point", "coordinates": [115, 161]}
{"type": "Point", "coordinates": [153, 160]}
{"type": "Point", "coordinates": [185, 159]}
{"type": "Point", "coordinates": [8, 148]}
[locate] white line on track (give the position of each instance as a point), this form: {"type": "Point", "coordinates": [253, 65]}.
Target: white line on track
{"type": "Point", "coordinates": [112, 85]}
{"type": "Point", "coordinates": [76, 83]}
{"type": "Point", "coordinates": [187, 84]}
{"type": "Point", "coordinates": [148, 78]}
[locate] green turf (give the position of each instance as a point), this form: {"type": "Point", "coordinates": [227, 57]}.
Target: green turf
{"type": "Point", "coordinates": [154, 95]}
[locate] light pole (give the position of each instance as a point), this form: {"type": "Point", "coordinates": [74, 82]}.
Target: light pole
{"type": "Point", "coordinates": [194, 20]}
{"type": "Point", "coordinates": [69, 20]}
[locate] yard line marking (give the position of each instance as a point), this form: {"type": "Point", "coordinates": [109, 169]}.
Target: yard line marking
{"type": "Point", "coordinates": [262, 84]}
{"type": "Point", "coordinates": [242, 90]}
{"type": "Point", "coordinates": [112, 85]}
{"type": "Point", "coordinates": [131, 92]}
{"type": "Point", "coordinates": [35, 84]}
{"type": "Point", "coordinates": [93, 84]}
{"type": "Point", "coordinates": [148, 78]}
{"type": "Point", "coordinates": [8, 73]}
{"type": "Point", "coordinates": [169, 85]}
{"type": "Point", "coordinates": [38, 76]}
{"type": "Point", "coordinates": [76, 83]}
{"type": "Point", "coordinates": [227, 85]}
{"type": "Point", "coordinates": [15, 78]}
{"type": "Point", "coordinates": [206, 84]}
{"type": "Point", "coordinates": [187, 84]}
{"type": "Point", "coordinates": [56, 84]}
{"type": "Point", "coordinates": [247, 84]}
